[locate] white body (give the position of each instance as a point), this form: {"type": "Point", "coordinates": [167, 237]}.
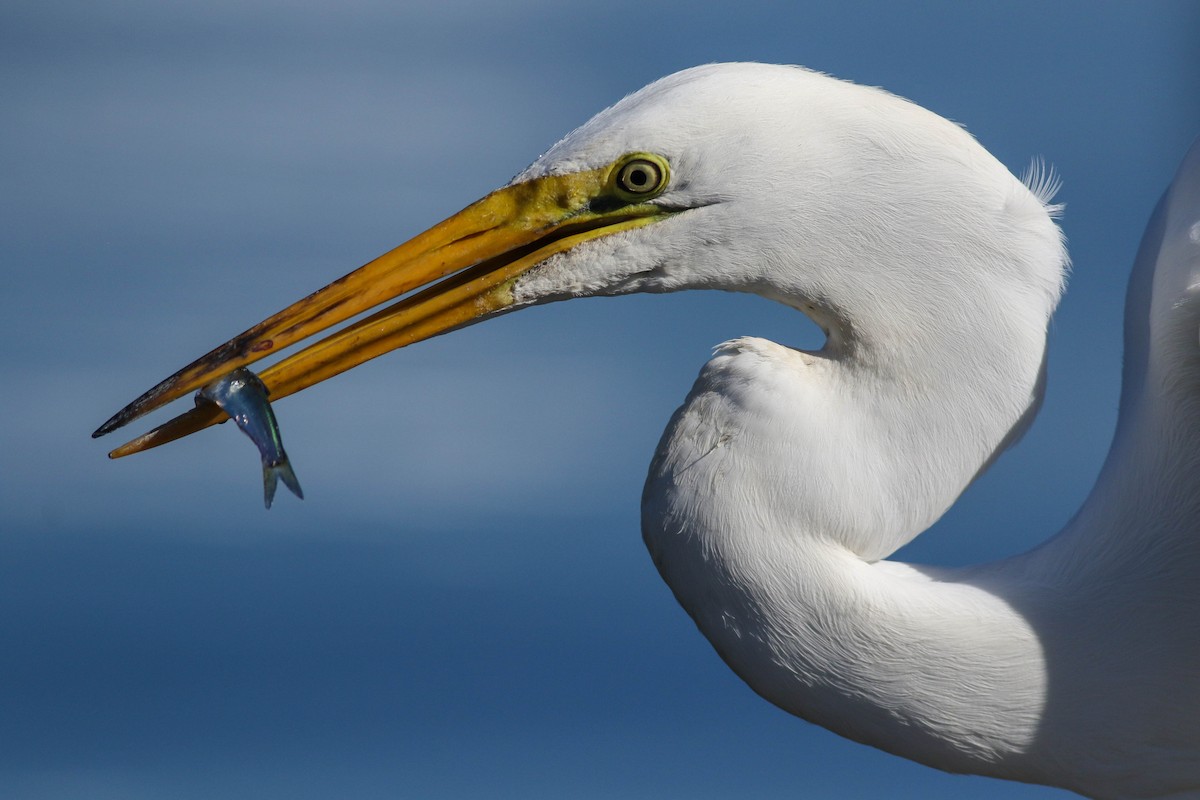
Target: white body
{"type": "Point", "coordinates": [787, 477]}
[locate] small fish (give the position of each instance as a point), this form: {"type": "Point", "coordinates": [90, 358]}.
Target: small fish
{"type": "Point", "coordinates": [243, 396]}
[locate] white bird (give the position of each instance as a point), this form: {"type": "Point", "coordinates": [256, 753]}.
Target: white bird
{"type": "Point", "coordinates": [788, 477]}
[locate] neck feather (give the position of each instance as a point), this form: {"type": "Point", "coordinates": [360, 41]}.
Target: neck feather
{"type": "Point", "coordinates": [748, 517]}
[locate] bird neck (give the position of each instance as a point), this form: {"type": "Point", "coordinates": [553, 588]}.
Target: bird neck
{"type": "Point", "coordinates": [875, 436]}
{"type": "Point", "coordinates": [787, 476]}
{"type": "Point", "coordinates": [759, 513]}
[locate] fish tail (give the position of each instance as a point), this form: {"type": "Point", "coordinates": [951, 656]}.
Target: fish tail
{"type": "Point", "coordinates": [284, 469]}
{"type": "Point", "coordinates": [272, 472]}
{"type": "Point", "coordinates": [270, 481]}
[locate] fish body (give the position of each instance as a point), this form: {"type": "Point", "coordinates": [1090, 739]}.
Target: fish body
{"type": "Point", "coordinates": [243, 396]}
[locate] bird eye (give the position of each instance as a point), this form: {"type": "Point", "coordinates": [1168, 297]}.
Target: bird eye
{"type": "Point", "coordinates": [640, 176]}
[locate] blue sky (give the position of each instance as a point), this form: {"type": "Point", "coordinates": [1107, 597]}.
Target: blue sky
{"type": "Point", "coordinates": [462, 605]}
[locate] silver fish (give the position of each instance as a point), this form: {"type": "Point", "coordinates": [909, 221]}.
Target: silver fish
{"type": "Point", "coordinates": [243, 396]}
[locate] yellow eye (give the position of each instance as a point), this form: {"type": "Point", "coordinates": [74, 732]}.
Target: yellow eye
{"type": "Point", "coordinates": [641, 176]}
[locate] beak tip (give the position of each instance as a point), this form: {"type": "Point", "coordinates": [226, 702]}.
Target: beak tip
{"type": "Point", "coordinates": [117, 420]}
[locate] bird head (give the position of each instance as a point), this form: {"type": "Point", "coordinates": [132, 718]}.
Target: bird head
{"type": "Point", "coordinates": [745, 177]}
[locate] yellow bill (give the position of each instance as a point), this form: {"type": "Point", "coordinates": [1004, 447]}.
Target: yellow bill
{"type": "Point", "coordinates": [468, 264]}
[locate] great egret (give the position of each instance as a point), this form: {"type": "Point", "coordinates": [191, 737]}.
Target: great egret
{"type": "Point", "coordinates": [787, 477]}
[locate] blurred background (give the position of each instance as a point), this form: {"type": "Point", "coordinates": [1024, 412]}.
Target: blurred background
{"type": "Point", "coordinates": [462, 606]}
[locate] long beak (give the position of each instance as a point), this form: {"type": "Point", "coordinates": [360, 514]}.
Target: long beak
{"type": "Point", "coordinates": [484, 249]}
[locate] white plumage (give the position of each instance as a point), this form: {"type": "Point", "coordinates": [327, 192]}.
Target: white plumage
{"type": "Point", "coordinates": [788, 477]}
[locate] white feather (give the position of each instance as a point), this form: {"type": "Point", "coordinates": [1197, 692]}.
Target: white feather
{"type": "Point", "coordinates": [787, 477]}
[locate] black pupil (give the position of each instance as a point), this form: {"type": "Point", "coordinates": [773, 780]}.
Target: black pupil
{"type": "Point", "coordinates": [638, 177]}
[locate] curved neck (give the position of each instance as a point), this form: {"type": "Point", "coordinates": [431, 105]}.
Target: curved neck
{"type": "Point", "coordinates": [746, 517]}
{"type": "Point", "coordinates": [786, 475]}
